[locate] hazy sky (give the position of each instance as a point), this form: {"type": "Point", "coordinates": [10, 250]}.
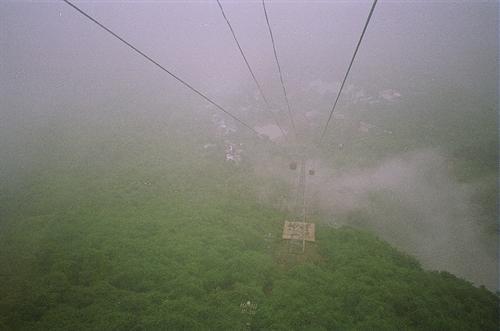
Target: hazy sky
{"type": "Point", "coordinates": [54, 60]}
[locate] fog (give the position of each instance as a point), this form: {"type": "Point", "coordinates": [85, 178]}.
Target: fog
{"type": "Point", "coordinates": [62, 76]}
{"type": "Point", "coordinates": [412, 201]}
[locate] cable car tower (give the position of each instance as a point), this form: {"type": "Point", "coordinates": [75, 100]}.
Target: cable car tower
{"type": "Point", "coordinates": [298, 229]}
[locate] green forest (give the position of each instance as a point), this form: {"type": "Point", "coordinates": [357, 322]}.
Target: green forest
{"type": "Point", "coordinates": [127, 232]}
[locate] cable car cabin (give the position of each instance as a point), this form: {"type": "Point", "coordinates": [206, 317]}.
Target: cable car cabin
{"type": "Point", "coordinates": [312, 172]}
{"type": "Point", "coordinates": [293, 165]}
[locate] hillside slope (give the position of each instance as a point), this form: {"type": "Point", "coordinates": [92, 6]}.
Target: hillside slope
{"type": "Point", "coordinates": [133, 238]}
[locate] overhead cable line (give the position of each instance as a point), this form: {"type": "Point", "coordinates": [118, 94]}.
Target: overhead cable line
{"type": "Point", "coordinates": [162, 68]}
{"type": "Point", "coordinates": [279, 69]}
{"type": "Point", "coordinates": [250, 68]}
{"type": "Point", "coordinates": [348, 70]}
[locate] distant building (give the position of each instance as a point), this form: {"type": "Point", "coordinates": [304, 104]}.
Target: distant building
{"type": "Point", "coordinates": [272, 131]}
{"type": "Point", "coordinates": [365, 127]}
{"type": "Point", "coordinates": [390, 95]}
{"type": "Point", "coordinates": [233, 153]}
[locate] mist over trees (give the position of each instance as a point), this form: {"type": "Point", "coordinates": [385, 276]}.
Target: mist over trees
{"type": "Point", "coordinates": [129, 203]}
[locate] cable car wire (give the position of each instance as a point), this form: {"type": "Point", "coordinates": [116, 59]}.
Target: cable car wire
{"type": "Point", "coordinates": [279, 68]}
{"type": "Point", "coordinates": [183, 82]}
{"type": "Point", "coordinates": [348, 70]}
{"type": "Point", "coordinates": [250, 69]}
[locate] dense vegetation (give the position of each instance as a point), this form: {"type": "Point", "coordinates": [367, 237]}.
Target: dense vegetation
{"type": "Point", "coordinates": [146, 232]}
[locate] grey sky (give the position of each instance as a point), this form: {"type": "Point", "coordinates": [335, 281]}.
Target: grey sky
{"type": "Point", "coordinates": [53, 58]}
